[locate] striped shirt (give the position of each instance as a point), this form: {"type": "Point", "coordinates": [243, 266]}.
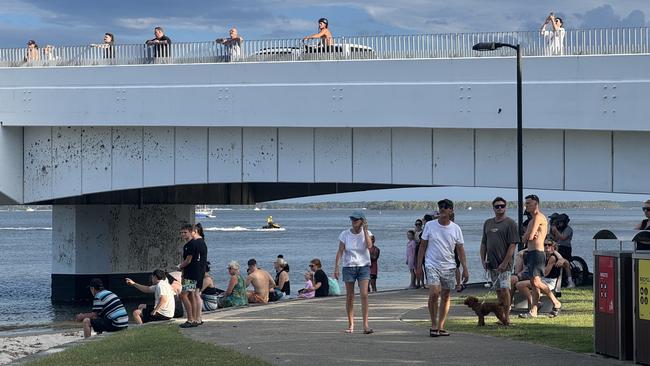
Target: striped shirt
{"type": "Point", "coordinates": [108, 306]}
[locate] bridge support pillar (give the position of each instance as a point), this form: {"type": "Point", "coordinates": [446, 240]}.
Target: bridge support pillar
{"type": "Point", "coordinates": [112, 242]}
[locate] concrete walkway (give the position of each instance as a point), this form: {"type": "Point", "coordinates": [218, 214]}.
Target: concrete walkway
{"type": "Point", "coordinates": [310, 332]}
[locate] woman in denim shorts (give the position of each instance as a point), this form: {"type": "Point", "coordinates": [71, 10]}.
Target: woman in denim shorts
{"type": "Point", "coordinates": [354, 245]}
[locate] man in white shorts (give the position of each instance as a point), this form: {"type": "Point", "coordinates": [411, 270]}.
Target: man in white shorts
{"type": "Point", "coordinates": [439, 239]}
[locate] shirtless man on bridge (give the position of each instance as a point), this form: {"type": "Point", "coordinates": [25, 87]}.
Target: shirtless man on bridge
{"type": "Point", "coordinates": [536, 259]}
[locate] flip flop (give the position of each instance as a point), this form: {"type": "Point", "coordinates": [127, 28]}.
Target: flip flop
{"type": "Point", "coordinates": [554, 312]}
{"type": "Point", "coordinates": [434, 333]}
{"type": "Point", "coordinates": [443, 333]}
{"type": "Point", "coordinates": [349, 331]}
{"type": "Point", "coordinates": [368, 331]}
{"type": "Point", "coordinates": [527, 315]}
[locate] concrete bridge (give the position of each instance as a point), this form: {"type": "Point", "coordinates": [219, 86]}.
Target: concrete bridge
{"type": "Point", "coordinates": [124, 150]}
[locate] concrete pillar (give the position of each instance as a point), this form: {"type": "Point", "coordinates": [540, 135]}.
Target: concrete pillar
{"type": "Point", "coordinates": [112, 242]}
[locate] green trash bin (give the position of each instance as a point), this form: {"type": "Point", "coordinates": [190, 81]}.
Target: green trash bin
{"type": "Point", "coordinates": [613, 306]}
{"type": "Point", "coordinates": [641, 280]}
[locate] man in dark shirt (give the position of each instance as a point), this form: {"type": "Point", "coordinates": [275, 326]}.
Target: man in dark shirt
{"type": "Point", "coordinates": [191, 278]}
{"type": "Point", "coordinates": [321, 284]}
{"type": "Point", "coordinates": [161, 43]}
{"type": "Point", "coordinates": [199, 266]}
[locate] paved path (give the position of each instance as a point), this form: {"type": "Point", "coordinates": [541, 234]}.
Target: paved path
{"type": "Point", "coordinates": [310, 332]}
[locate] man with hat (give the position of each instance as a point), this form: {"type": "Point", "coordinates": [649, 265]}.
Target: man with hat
{"type": "Point", "coordinates": [108, 315]}
{"type": "Point", "coordinates": [262, 283]}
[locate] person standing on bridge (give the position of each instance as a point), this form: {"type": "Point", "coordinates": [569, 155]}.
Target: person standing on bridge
{"type": "Point", "coordinates": [535, 258]}
{"type": "Point", "coordinates": [108, 45]}
{"type": "Point", "coordinates": [554, 39]}
{"type": "Point", "coordinates": [324, 33]}
{"type": "Point", "coordinates": [354, 245]}
{"type": "Point", "coordinates": [161, 43]}
{"type": "Point", "coordinates": [233, 45]}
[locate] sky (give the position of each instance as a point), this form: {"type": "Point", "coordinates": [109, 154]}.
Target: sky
{"type": "Point", "coordinates": [79, 22]}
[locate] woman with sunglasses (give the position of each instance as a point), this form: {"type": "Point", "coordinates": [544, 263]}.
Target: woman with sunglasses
{"type": "Point", "coordinates": [354, 245]}
{"type": "Point", "coordinates": [644, 224]}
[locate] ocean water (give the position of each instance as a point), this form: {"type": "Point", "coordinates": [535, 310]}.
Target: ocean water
{"type": "Point", "coordinates": [25, 244]}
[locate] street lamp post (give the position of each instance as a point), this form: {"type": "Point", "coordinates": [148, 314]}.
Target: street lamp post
{"type": "Point", "coordinates": [491, 46]}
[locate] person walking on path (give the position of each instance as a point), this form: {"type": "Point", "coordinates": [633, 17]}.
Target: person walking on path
{"type": "Point", "coordinates": [535, 258]}
{"type": "Point", "coordinates": [354, 245]}
{"type": "Point", "coordinates": [374, 265]}
{"type": "Point", "coordinates": [439, 239]}
{"type": "Point", "coordinates": [498, 246]}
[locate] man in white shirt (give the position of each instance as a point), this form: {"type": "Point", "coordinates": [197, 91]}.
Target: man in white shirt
{"type": "Point", "coordinates": [164, 305]}
{"type": "Point", "coordinates": [554, 38]}
{"type": "Point", "coordinates": [439, 239]}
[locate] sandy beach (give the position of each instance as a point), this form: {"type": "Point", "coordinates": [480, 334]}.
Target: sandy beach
{"type": "Point", "coordinates": [18, 346]}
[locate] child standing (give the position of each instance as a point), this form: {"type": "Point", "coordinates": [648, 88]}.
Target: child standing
{"type": "Point", "coordinates": [410, 255]}
{"type": "Point", "coordinates": [307, 292]}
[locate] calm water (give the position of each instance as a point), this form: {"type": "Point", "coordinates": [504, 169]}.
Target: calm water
{"type": "Point", "coordinates": [25, 244]}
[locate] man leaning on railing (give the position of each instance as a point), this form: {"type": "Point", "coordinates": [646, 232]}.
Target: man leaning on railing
{"type": "Point", "coordinates": [233, 45]}
{"type": "Point", "coordinates": [553, 39]}
{"type": "Point", "coordinates": [161, 43]}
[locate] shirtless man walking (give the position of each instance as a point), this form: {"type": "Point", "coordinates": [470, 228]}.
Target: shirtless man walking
{"type": "Point", "coordinates": [262, 282]}
{"type": "Point", "coordinates": [534, 237]}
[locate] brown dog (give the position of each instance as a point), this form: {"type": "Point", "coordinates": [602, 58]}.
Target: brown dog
{"type": "Point", "coordinates": [483, 309]}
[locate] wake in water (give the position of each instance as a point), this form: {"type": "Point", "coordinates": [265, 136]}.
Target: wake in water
{"type": "Point", "coordinates": [29, 228]}
{"type": "Point", "coordinates": [240, 228]}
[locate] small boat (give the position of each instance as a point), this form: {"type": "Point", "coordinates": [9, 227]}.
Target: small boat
{"type": "Point", "coordinates": [29, 209]}
{"type": "Point", "coordinates": [204, 213]}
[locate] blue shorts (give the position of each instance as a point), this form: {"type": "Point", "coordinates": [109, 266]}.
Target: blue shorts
{"type": "Point", "coordinates": [352, 274]}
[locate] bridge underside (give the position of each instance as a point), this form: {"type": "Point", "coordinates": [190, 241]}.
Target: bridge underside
{"type": "Point", "coordinates": [217, 194]}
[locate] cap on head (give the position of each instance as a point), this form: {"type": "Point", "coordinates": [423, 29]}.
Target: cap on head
{"type": "Point", "coordinates": [357, 215]}
{"type": "Point", "coordinates": [252, 262]}
{"type": "Point", "coordinates": [96, 283]}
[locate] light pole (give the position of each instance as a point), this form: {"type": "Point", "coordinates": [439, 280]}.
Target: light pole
{"type": "Point", "coordinates": [491, 46]}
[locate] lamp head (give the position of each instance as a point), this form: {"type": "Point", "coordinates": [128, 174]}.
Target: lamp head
{"type": "Point", "coordinates": [486, 46]}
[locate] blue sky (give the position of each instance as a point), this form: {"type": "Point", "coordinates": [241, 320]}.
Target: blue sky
{"type": "Point", "coordinates": [78, 22]}
{"type": "Point", "coordinates": [71, 22]}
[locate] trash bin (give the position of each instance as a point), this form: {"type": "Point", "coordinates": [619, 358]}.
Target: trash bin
{"type": "Point", "coordinates": [641, 280]}
{"type": "Point", "coordinates": [613, 307]}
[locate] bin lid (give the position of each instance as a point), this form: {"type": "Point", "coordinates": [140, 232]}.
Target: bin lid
{"type": "Point", "coordinates": [642, 236]}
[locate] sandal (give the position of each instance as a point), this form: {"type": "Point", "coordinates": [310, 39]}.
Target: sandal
{"type": "Point", "coordinates": [554, 312]}
{"type": "Point", "coordinates": [527, 315]}
{"type": "Point", "coordinates": [443, 333]}
{"type": "Point", "coordinates": [434, 333]}
{"type": "Point", "coordinates": [368, 331]}
{"type": "Point", "coordinates": [349, 331]}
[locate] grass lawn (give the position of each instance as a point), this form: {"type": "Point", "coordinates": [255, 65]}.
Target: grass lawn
{"type": "Point", "coordinates": [150, 345]}
{"type": "Point", "coordinates": [572, 330]}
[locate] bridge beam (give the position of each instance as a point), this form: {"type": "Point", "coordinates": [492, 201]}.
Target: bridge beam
{"type": "Point", "coordinates": [112, 242]}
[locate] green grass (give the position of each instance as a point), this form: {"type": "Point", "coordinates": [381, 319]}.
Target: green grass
{"type": "Point", "coordinates": [149, 345]}
{"type": "Point", "coordinates": [572, 330]}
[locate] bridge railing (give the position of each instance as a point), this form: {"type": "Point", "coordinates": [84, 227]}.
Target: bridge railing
{"type": "Point", "coordinates": [427, 46]}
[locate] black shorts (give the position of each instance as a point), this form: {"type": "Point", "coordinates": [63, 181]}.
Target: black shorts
{"type": "Point", "coordinates": [536, 262]}
{"type": "Point", "coordinates": [147, 317]}
{"type": "Point", "coordinates": [373, 276]}
{"type": "Point", "coordinates": [565, 252]}
{"type": "Point", "coordinates": [101, 325]}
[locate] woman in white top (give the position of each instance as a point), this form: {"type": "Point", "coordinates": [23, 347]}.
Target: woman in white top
{"type": "Point", "coordinates": [354, 245]}
{"type": "Point", "coordinates": [554, 38]}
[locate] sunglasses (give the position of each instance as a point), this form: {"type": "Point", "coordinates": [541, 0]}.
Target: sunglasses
{"type": "Point", "coordinates": [444, 207]}
{"type": "Point", "coordinates": [548, 245]}
{"type": "Point", "coordinates": [418, 223]}
{"type": "Point", "coordinates": [646, 209]}
{"type": "Point", "coordinates": [499, 206]}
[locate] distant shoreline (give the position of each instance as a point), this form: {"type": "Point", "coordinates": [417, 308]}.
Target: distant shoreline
{"type": "Point", "coordinates": [381, 205]}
